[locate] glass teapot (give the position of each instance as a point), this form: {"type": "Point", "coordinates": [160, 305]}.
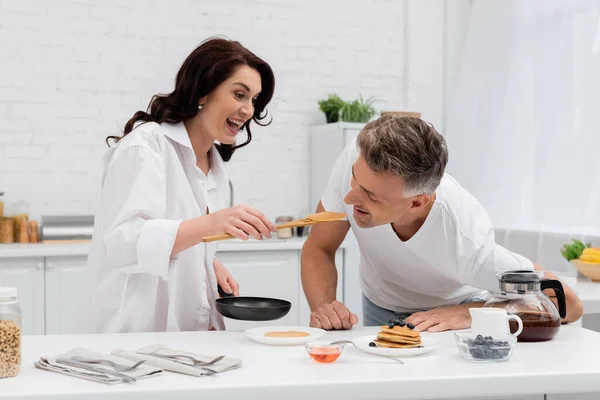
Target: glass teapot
{"type": "Point", "coordinates": [521, 293]}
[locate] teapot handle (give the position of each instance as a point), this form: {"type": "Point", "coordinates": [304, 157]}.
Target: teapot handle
{"type": "Point", "coordinates": [560, 294]}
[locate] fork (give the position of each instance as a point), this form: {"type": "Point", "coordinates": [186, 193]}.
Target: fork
{"type": "Point", "coordinates": [364, 351]}
{"type": "Point", "coordinates": [195, 362]}
{"type": "Point", "coordinates": [117, 367]}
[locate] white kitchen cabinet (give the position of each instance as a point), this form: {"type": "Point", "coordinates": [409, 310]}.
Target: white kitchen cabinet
{"type": "Point", "coordinates": [50, 280]}
{"type": "Point", "coordinates": [27, 275]}
{"type": "Point", "coordinates": [65, 278]}
{"type": "Point", "coordinates": [274, 274]}
{"type": "Point", "coordinates": [271, 274]}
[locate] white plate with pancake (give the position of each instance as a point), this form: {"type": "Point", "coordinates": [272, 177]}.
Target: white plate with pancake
{"type": "Point", "coordinates": [284, 335]}
{"type": "Point", "coordinates": [428, 344]}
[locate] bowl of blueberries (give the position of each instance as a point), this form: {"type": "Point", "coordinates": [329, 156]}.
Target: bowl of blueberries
{"type": "Point", "coordinates": [478, 348]}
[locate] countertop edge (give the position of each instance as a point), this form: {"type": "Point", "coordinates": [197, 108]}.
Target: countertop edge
{"type": "Point", "coordinates": [19, 250]}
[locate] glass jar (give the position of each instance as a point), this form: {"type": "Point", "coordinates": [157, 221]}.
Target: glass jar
{"type": "Point", "coordinates": [10, 333]}
{"type": "Point", "coordinates": [284, 233]}
{"type": "Point", "coordinates": [7, 233]}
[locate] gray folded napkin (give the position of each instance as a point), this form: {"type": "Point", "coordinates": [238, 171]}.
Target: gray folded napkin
{"type": "Point", "coordinates": [160, 356]}
{"type": "Point", "coordinates": [70, 363]}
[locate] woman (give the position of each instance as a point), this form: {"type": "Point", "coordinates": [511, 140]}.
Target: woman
{"type": "Point", "coordinates": [163, 182]}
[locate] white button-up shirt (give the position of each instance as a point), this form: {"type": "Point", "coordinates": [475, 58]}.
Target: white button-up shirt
{"type": "Point", "coordinates": [150, 184]}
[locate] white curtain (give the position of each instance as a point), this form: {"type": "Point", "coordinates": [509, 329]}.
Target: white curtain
{"type": "Point", "coordinates": [523, 124]}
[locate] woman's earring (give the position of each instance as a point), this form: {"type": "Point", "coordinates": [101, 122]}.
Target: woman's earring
{"type": "Point", "coordinates": [199, 106]}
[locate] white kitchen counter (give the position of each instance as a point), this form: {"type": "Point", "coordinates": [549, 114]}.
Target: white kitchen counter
{"type": "Point", "coordinates": [566, 364]}
{"type": "Point", "coordinates": [589, 293]}
{"type": "Point", "coordinates": [82, 249]}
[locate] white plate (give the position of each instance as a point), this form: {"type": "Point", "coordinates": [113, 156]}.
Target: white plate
{"type": "Point", "coordinates": [362, 342]}
{"type": "Point", "coordinates": [258, 335]}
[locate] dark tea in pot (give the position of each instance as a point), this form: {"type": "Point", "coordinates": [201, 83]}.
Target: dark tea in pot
{"type": "Point", "coordinates": [537, 326]}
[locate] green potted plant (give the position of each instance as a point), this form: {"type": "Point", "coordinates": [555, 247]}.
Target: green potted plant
{"type": "Point", "coordinates": [331, 106]}
{"type": "Point", "coordinates": [336, 109]}
{"type": "Point", "coordinates": [359, 110]}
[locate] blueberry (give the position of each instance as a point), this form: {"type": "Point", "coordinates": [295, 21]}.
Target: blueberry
{"type": "Point", "coordinates": [479, 337]}
{"type": "Point", "coordinates": [477, 352]}
{"type": "Point", "coordinates": [372, 344]}
{"type": "Point", "coordinates": [391, 325]}
{"type": "Point", "coordinates": [410, 326]}
{"type": "Point", "coordinates": [391, 321]}
{"type": "Point", "coordinates": [401, 323]}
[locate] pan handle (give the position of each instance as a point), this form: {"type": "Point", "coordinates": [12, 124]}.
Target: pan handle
{"type": "Point", "coordinates": [222, 292]}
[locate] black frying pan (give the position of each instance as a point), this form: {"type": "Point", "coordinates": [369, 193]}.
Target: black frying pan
{"type": "Point", "coordinates": [251, 308]}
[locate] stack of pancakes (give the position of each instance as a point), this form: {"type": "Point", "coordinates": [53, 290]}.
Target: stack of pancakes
{"type": "Point", "coordinates": [398, 337]}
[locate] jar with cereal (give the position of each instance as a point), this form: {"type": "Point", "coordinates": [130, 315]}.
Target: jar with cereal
{"type": "Point", "coordinates": [10, 333]}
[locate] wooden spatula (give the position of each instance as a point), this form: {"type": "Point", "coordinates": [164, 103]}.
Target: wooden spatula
{"type": "Point", "coordinates": [325, 216]}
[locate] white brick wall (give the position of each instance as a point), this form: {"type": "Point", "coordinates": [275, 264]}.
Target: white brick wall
{"type": "Point", "coordinates": [73, 72]}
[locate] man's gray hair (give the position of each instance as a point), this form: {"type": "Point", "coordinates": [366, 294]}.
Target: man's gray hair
{"type": "Point", "coordinates": [408, 147]}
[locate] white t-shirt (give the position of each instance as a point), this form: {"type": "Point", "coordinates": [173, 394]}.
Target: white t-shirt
{"type": "Point", "coordinates": [151, 183]}
{"type": "Point", "coordinates": [451, 258]}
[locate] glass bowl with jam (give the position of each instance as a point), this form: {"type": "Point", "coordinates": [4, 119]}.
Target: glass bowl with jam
{"type": "Point", "coordinates": [324, 352]}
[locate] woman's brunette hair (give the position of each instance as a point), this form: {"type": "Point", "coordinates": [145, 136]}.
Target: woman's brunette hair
{"type": "Point", "coordinates": [211, 63]}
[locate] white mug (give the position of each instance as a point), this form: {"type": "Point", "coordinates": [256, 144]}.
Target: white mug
{"type": "Point", "coordinates": [492, 321]}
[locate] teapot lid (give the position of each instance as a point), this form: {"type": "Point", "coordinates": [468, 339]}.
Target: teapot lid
{"type": "Point", "coordinates": [521, 276]}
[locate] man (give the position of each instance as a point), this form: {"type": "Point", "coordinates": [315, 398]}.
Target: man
{"type": "Point", "coordinates": [427, 246]}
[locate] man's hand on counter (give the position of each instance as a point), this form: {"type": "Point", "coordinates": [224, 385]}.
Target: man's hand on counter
{"type": "Point", "coordinates": [443, 318]}
{"type": "Point", "coordinates": [334, 315]}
